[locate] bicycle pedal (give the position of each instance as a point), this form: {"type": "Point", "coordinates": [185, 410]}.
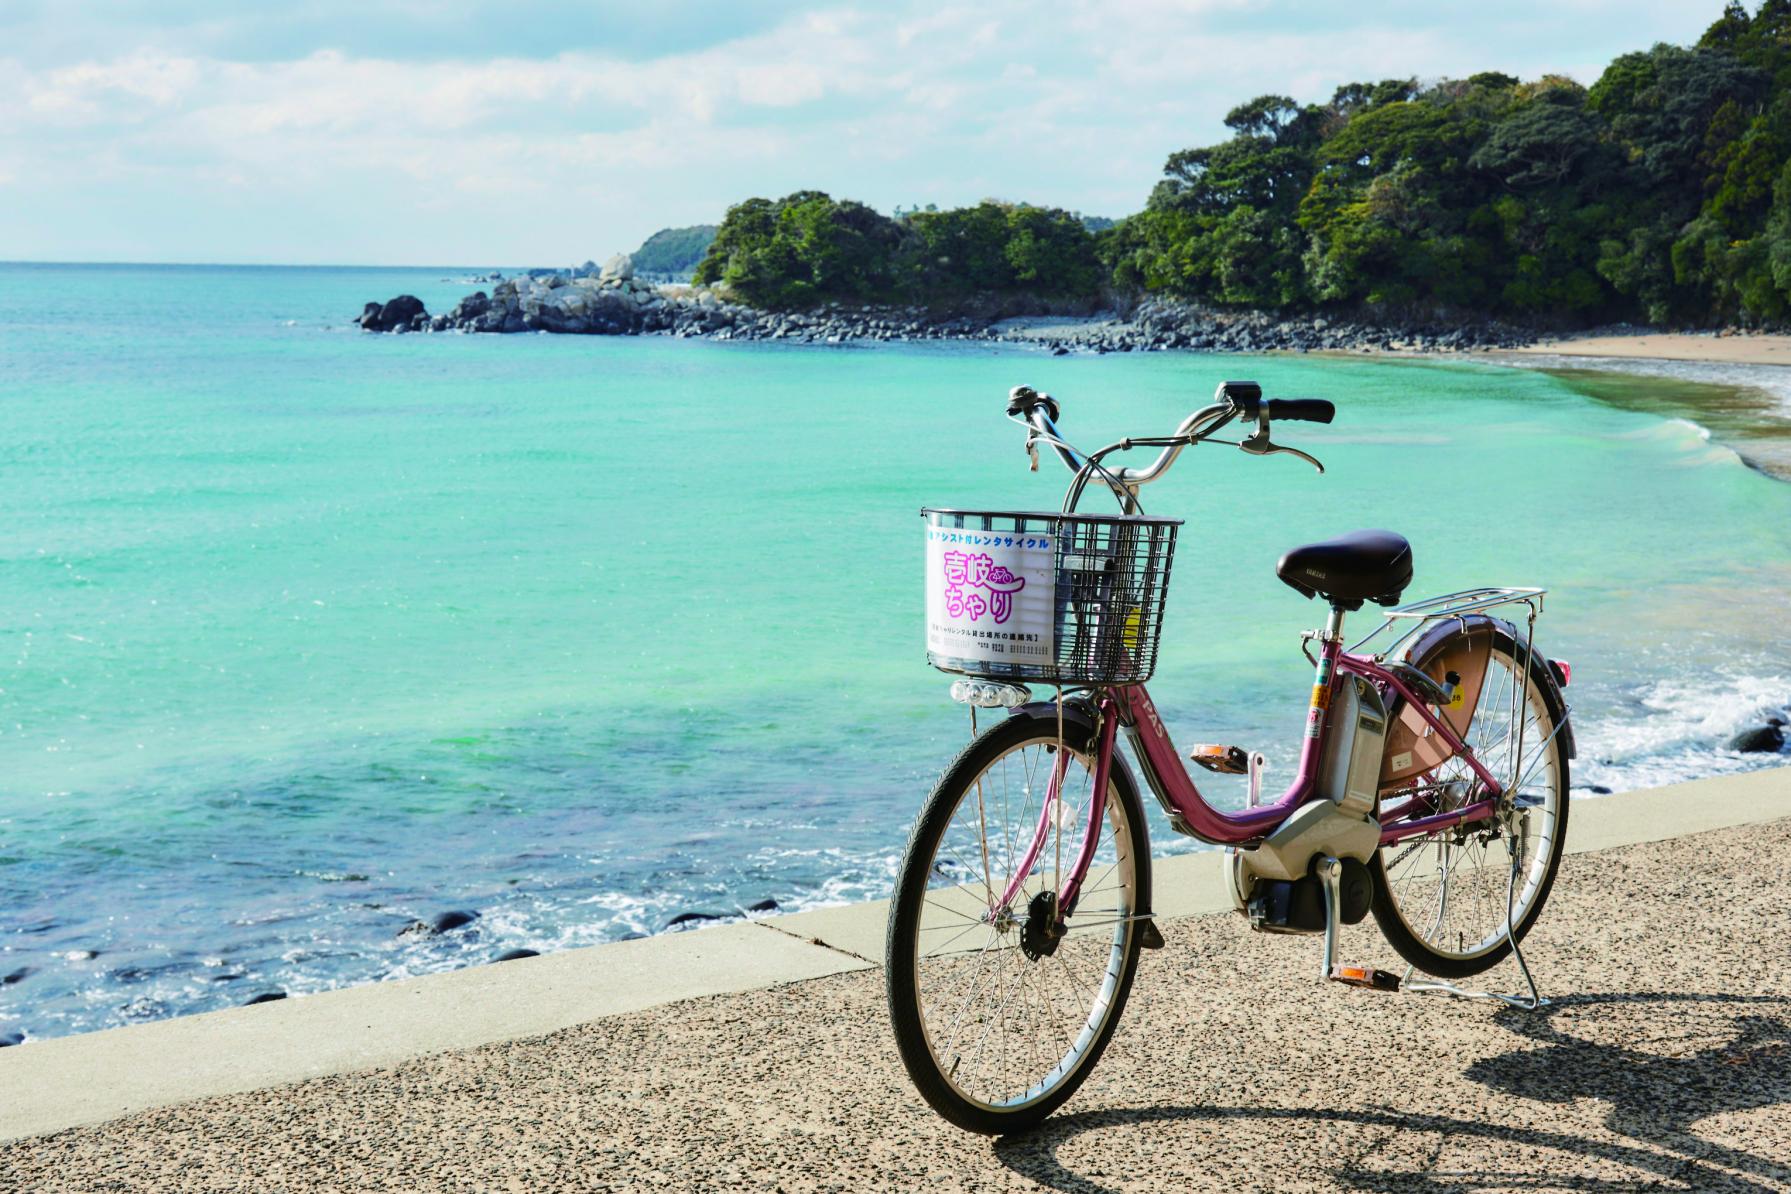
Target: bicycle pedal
{"type": "Point", "coordinates": [1150, 937]}
{"type": "Point", "coordinates": [1226, 760]}
{"type": "Point", "coordinates": [1364, 976]}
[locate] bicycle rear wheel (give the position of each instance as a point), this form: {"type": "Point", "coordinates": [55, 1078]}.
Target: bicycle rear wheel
{"type": "Point", "coordinates": [1443, 900]}
{"type": "Point", "coordinates": [996, 1026]}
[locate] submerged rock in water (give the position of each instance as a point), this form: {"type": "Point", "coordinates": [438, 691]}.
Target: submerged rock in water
{"type": "Point", "coordinates": [691, 918]}
{"type": "Point", "coordinates": [11, 1038]}
{"type": "Point", "coordinates": [266, 997]}
{"type": "Point", "coordinates": [511, 955]}
{"type": "Point", "coordinates": [765, 905]}
{"type": "Point", "coordinates": [17, 976]}
{"type": "Point", "coordinates": [444, 923]}
{"type": "Point", "coordinates": [1759, 740]}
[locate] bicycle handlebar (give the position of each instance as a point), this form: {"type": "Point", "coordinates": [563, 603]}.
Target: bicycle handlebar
{"type": "Point", "coordinates": [1234, 400]}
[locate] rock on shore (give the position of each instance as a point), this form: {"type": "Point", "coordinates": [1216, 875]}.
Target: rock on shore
{"type": "Point", "coordinates": [614, 302]}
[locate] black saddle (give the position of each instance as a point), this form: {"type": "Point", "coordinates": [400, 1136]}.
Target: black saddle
{"type": "Point", "coordinates": [1350, 569]}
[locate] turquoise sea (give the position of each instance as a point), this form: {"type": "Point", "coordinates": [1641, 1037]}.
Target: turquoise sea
{"type": "Point", "coordinates": [306, 634]}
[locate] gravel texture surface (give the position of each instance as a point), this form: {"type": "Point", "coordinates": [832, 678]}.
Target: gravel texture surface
{"type": "Point", "coordinates": [1664, 1063]}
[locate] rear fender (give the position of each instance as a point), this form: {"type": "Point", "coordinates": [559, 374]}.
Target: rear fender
{"type": "Point", "coordinates": [1435, 640]}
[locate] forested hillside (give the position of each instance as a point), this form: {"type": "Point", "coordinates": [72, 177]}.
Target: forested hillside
{"type": "Point", "coordinates": [674, 251]}
{"type": "Point", "coordinates": [1662, 193]}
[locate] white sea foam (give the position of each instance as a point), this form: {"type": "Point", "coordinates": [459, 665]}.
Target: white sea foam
{"type": "Point", "coordinates": [1676, 729]}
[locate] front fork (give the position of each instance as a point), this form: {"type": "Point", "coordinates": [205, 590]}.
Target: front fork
{"type": "Point", "coordinates": [1050, 814]}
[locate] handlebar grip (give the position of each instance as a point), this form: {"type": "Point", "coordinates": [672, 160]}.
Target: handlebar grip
{"type": "Point", "coordinates": [1302, 410]}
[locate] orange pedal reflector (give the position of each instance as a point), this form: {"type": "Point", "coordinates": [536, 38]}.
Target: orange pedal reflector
{"type": "Point", "coordinates": [1365, 976]}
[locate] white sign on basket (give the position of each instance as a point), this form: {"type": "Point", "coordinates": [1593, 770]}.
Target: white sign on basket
{"type": "Point", "coordinates": [991, 595]}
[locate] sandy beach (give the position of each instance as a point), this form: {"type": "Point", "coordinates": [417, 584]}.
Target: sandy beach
{"type": "Point", "coordinates": [1711, 348]}
{"type": "Point", "coordinates": [1665, 1061]}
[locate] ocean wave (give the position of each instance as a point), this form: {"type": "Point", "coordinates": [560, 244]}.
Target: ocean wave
{"type": "Point", "coordinates": [1675, 729]}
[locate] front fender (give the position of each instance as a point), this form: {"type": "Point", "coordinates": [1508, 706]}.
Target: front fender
{"type": "Point", "coordinates": [1077, 710]}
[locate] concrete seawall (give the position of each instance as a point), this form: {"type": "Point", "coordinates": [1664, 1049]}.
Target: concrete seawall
{"type": "Point", "coordinates": [91, 1078]}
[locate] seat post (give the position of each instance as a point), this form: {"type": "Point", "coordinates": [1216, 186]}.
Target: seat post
{"type": "Point", "coordinates": [1334, 623]}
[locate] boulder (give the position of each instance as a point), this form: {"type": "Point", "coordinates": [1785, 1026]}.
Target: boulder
{"type": "Point", "coordinates": [11, 1038]}
{"type": "Point", "coordinates": [619, 268]}
{"type": "Point", "coordinates": [266, 997]}
{"type": "Point", "coordinates": [691, 918]}
{"type": "Point", "coordinates": [511, 955]}
{"type": "Point", "coordinates": [469, 308]}
{"type": "Point", "coordinates": [764, 905]}
{"type": "Point", "coordinates": [397, 313]}
{"type": "Point", "coordinates": [1759, 740]}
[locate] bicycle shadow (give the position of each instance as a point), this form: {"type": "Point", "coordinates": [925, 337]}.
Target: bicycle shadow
{"type": "Point", "coordinates": [1720, 1054]}
{"type": "Point", "coordinates": [1736, 1057]}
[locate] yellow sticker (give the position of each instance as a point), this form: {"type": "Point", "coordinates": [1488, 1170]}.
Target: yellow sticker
{"type": "Point", "coordinates": [1321, 696]}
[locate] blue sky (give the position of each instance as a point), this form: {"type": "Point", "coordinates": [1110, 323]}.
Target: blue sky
{"type": "Point", "coordinates": [548, 131]}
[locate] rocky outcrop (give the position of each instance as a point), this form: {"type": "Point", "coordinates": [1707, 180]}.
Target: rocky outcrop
{"type": "Point", "coordinates": [613, 301]}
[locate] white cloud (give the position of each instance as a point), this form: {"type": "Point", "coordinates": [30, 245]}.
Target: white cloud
{"type": "Point", "coordinates": [909, 102]}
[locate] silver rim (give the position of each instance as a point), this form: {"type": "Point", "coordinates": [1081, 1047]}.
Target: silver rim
{"type": "Point", "coordinates": [1454, 889]}
{"type": "Point", "coordinates": [1005, 1030]}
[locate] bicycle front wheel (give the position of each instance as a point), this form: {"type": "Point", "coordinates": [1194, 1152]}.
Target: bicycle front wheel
{"type": "Point", "coordinates": [997, 1022]}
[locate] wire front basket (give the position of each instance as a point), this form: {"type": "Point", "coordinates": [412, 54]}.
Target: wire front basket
{"type": "Point", "coordinates": [1058, 598]}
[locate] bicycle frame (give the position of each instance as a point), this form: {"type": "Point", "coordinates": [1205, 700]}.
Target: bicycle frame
{"type": "Point", "coordinates": [1132, 706]}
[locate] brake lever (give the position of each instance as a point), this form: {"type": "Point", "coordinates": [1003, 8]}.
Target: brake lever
{"type": "Point", "coordinates": [1257, 442]}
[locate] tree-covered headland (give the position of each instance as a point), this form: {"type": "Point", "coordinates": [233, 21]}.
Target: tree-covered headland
{"type": "Point", "coordinates": [1660, 193]}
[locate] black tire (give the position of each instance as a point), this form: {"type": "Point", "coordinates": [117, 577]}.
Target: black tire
{"type": "Point", "coordinates": [1124, 819]}
{"type": "Point", "coordinates": [1393, 922]}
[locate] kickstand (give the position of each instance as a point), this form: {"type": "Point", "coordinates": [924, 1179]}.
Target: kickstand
{"type": "Point", "coordinates": [1534, 1000]}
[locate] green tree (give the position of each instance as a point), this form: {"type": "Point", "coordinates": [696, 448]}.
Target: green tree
{"type": "Point", "coordinates": [803, 249]}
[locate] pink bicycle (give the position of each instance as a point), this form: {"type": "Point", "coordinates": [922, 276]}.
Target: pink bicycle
{"type": "Point", "coordinates": [1431, 785]}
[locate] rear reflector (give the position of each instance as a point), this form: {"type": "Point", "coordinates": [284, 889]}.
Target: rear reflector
{"type": "Point", "coordinates": [1563, 671]}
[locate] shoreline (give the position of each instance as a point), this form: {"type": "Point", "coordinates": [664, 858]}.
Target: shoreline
{"type": "Point", "coordinates": [586, 1043]}
{"type": "Point", "coordinates": [1710, 348]}
{"type": "Point", "coordinates": [614, 301]}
